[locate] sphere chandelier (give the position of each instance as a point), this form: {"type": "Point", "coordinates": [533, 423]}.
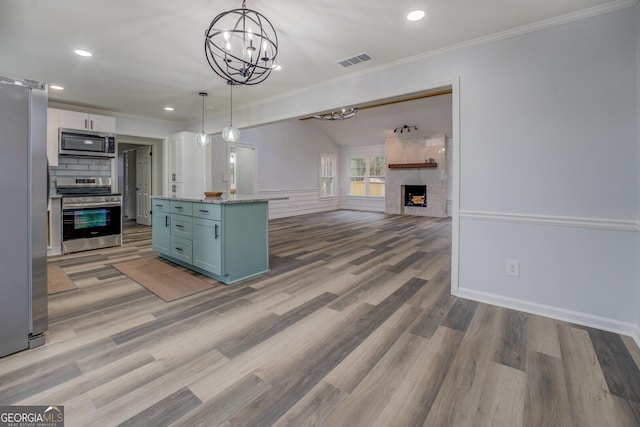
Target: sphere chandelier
{"type": "Point", "coordinates": [241, 46]}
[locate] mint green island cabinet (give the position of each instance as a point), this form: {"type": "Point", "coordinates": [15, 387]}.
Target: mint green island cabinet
{"type": "Point", "coordinates": [224, 238]}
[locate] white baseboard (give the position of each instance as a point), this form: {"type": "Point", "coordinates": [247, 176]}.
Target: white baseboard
{"type": "Point", "coordinates": [636, 335]}
{"type": "Point", "coordinates": [604, 323]}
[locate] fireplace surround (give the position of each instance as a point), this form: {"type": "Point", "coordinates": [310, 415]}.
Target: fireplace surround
{"type": "Point", "coordinates": [413, 161]}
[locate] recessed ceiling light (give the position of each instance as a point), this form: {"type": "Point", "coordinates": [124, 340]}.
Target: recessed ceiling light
{"type": "Point", "coordinates": [56, 87]}
{"type": "Point", "coordinates": [415, 15]}
{"type": "Point", "coordinates": [82, 52]}
{"type": "Point", "coordinates": [168, 108]}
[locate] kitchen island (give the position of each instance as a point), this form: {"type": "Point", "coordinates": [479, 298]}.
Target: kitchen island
{"type": "Point", "coordinates": [226, 238]}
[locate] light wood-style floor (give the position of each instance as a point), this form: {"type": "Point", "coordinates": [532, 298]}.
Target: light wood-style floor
{"type": "Point", "coordinates": [353, 326]}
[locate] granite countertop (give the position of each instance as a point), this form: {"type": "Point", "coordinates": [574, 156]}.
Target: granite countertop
{"type": "Point", "coordinates": [223, 200]}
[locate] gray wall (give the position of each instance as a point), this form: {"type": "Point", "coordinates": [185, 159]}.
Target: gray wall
{"type": "Point", "coordinates": [548, 162]}
{"type": "Point", "coordinates": [288, 155]}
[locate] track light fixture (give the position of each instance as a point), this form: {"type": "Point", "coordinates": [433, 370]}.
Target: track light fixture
{"type": "Point", "coordinates": [404, 128]}
{"type": "Point", "coordinates": [338, 115]}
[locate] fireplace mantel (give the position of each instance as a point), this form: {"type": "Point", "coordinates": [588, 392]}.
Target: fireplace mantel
{"type": "Point", "coordinates": [429, 165]}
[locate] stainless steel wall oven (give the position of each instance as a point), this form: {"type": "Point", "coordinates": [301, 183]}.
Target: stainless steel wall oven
{"type": "Point", "coordinates": [91, 214]}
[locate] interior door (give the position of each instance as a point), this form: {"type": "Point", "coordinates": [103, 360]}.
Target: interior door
{"type": "Point", "coordinates": [242, 169]}
{"type": "Point", "coordinates": [143, 185]}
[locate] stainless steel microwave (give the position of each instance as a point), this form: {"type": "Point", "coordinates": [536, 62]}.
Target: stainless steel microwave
{"type": "Point", "coordinates": [86, 143]}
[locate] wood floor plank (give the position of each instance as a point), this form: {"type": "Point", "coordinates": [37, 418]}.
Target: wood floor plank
{"type": "Point", "coordinates": [633, 348]}
{"type": "Point", "coordinates": [502, 398]}
{"type": "Point", "coordinates": [512, 348]}
{"type": "Point", "coordinates": [166, 410]}
{"type": "Point", "coordinates": [285, 349]}
{"type": "Point", "coordinates": [323, 357]}
{"type": "Point", "coordinates": [439, 304]}
{"type": "Point", "coordinates": [352, 370]}
{"type": "Point", "coordinates": [412, 401]}
{"type": "Point", "coordinates": [314, 408]}
{"type": "Point", "coordinates": [459, 396]}
{"type": "Point", "coordinates": [587, 389]}
{"type": "Point", "coordinates": [546, 402]}
{"type": "Point", "coordinates": [372, 395]}
{"type": "Point", "coordinates": [258, 332]}
{"type": "Point", "coordinates": [401, 352]}
{"type": "Point", "coordinates": [626, 413]}
{"type": "Point", "coordinates": [87, 381]}
{"type": "Point", "coordinates": [620, 370]}
{"type": "Point", "coordinates": [460, 315]}
{"type": "Point", "coordinates": [217, 410]}
{"type": "Point", "coordinates": [542, 336]}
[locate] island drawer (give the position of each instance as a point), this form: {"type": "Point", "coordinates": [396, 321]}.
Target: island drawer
{"type": "Point", "coordinates": [182, 208]}
{"type": "Point", "coordinates": [207, 211]}
{"type": "Point", "coordinates": [182, 226]}
{"type": "Point", "coordinates": [181, 249]}
{"type": "Point", "coordinates": [160, 205]}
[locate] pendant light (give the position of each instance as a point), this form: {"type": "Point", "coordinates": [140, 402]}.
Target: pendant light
{"type": "Point", "coordinates": [202, 138]}
{"type": "Point", "coordinates": [230, 133]}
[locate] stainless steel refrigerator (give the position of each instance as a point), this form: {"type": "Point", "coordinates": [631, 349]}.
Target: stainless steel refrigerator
{"type": "Point", "coordinates": [23, 214]}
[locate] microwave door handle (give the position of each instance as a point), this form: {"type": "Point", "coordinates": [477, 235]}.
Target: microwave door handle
{"type": "Point", "coordinates": [85, 124]}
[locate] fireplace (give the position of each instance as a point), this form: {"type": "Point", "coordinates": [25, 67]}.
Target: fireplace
{"type": "Point", "coordinates": [415, 195]}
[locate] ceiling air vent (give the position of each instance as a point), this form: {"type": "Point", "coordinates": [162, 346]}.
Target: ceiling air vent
{"type": "Point", "coordinates": [348, 62]}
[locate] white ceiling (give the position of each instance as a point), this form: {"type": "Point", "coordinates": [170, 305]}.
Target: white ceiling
{"type": "Point", "coordinates": [150, 53]}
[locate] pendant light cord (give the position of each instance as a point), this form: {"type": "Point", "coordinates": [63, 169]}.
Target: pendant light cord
{"type": "Point", "coordinates": [231, 104]}
{"type": "Point", "coordinates": [202, 114]}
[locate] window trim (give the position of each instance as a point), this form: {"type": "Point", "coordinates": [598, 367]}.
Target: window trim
{"type": "Point", "coordinates": [367, 176]}
{"type": "Point", "coordinates": [334, 157]}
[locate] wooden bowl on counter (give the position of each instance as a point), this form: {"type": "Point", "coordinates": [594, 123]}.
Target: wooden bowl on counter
{"type": "Point", "coordinates": [213, 193]}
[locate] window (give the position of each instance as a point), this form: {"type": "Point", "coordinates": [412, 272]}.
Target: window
{"type": "Point", "coordinates": [328, 175]}
{"type": "Point", "coordinates": [366, 176]}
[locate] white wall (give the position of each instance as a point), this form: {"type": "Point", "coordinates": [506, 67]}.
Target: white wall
{"type": "Point", "coordinates": [548, 162]}
{"type": "Point", "coordinates": [548, 172]}
{"type": "Point", "coordinates": [288, 164]}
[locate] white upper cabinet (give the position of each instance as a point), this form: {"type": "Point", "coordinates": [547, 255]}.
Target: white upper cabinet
{"type": "Point", "coordinates": [84, 121]}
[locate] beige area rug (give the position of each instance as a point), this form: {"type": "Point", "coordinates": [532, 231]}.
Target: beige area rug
{"type": "Point", "coordinates": [57, 280]}
{"type": "Point", "coordinates": [164, 279]}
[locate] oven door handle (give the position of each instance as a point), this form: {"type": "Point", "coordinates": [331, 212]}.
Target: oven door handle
{"type": "Point", "coordinates": [90, 205]}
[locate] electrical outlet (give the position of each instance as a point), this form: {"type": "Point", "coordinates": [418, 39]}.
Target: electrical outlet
{"type": "Point", "coordinates": [513, 268]}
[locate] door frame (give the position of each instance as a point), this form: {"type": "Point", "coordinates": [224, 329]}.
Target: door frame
{"type": "Point", "coordinates": [231, 145]}
{"type": "Point", "coordinates": [157, 160]}
{"type": "Point", "coordinates": [139, 152]}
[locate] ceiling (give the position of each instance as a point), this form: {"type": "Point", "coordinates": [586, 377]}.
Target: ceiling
{"type": "Point", "coordinates": [148, 54]}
